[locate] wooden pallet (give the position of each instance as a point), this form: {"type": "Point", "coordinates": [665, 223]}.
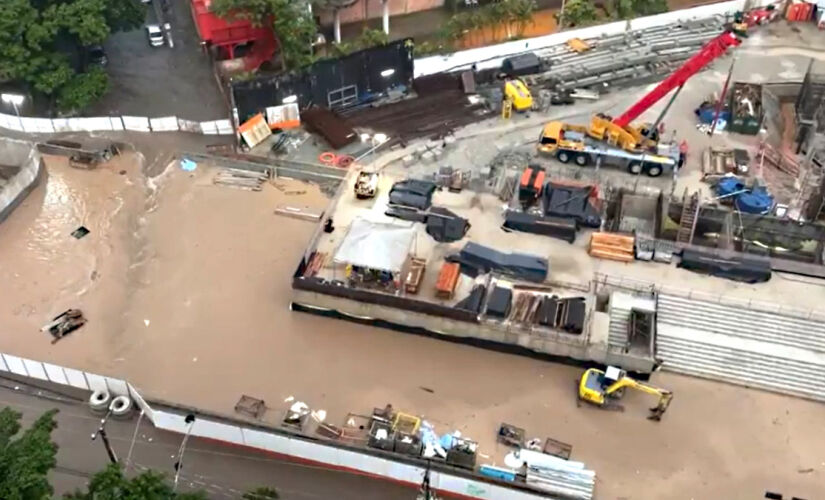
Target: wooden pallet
{"type": "Point", "coordinates": [612, 246]}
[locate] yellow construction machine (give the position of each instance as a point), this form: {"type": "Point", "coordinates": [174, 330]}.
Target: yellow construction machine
{"type": "Point", "coordinates": [516, 91]}
{"type": "Point", "coordinates": [602, 388]}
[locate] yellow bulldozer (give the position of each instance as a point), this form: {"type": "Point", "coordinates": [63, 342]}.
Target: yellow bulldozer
{"type": "Point", "coordinates": [603, 388]}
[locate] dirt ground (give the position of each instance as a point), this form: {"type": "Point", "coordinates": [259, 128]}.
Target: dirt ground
{"type": "Point", "coordinates": [186, 286]}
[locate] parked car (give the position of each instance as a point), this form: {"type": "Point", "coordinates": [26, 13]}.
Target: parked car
{"type": "Point", "coordinates": [155, 35]}
{"type": "Point", "coordinates": [96, 55]}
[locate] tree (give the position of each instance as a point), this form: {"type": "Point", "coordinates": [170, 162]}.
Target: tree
{"type": "Point", "coordinates": [262, 493]}
{"type": "Point", "coordinates": [83, 89]}
{"type": "Point", "coordinates": [25, 460]}
{"type": "Point", "coordinates": [112, 484]}
{"type": "Point", "coordinates": [290, 20]}
{"type": "Point", "coordinates": [626, 9]}
{"type": "Point", "coordinates": [578, 12]}
{"type": "Point", "coordinates": [42, 41]}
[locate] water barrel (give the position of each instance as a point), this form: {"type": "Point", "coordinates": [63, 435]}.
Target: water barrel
{"type": "Point", "coordinates": [754, 202]}
{"type": "Point", "coordinates": [729, 185]}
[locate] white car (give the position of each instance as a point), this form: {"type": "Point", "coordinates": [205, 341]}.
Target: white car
{"type": "Point", "coordinates": [155, 35]}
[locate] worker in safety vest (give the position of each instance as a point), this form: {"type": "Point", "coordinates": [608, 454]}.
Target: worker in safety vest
{"type": "Point", "coordinates": [683, 151]}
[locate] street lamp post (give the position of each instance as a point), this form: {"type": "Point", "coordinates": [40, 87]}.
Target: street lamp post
{"type": "Point", "coordinates": [15, 100]}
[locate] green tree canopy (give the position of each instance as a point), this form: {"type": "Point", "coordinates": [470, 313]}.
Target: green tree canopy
{"type": "Point", "coordinates": [578, 12]}
{"type": "Point", "coordinates": [112, 484]}
{"type": "Point", "coordinates": [39, 39]}
{"type": "Point", "coordinates": [25, 460]}
{"type": "Point", "coordinates": [290, 20]}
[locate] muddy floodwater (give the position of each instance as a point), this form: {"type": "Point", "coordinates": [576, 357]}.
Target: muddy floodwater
{"type": "Point", "coordinates": [186, 288]}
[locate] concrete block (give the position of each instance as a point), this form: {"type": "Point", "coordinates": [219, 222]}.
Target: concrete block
{"type": "Point", "coordinates": [427, 157]}
{"type": "Point", "coordinates": [437, 153]}
{"type": "Point", "coordinates": [408, 160]}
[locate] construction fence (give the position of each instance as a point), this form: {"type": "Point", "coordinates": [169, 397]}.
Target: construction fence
{"type": "Point", "coordinates": [375, 463]}
{"type": "Point", "coordinates": [114, 123]}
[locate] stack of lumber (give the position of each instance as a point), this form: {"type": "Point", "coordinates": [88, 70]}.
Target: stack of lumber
{"type": "Point", "coordinates": [447, 280]}
{"type": "Point", "coordinates": [240, 179]}
{"type": "Point", "coordinates": [612, 246]}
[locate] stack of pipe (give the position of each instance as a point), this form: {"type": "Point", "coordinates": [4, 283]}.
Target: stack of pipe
{"type": "Point", "coordinates": [564, 478]}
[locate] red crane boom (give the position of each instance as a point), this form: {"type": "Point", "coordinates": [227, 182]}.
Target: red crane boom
{"type": "Point", "coordinates": [708, 53]}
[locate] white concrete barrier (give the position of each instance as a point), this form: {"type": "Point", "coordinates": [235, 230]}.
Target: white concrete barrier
{"type": "Point", "coordinates": [62, 376]}
{"type": "Point", "coordinates": [136, 123]}
{"type": "Point", "coordinates": [306, 449]}
{"type": "Point", "coordinates": [37, 125]}
{"type": "Point", "coordinates": [114, 123]}
{"type": "Point", "coordinates": [164, 124]}
{"type": "Point", "coordinates": [492, 56]}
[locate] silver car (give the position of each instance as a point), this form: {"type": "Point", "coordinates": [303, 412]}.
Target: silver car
{"type": "Point", "coordinates": [155, 35]}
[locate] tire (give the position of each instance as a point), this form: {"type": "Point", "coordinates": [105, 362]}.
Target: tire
{"type": "Point", "coordinates": [654, 171]}
{"type": "Point", "coordinates": [99, 401]}
{"type": "Point", "coordinates": [634, 167]}
{"type": "Point", "coordinates": [563, 156]}
{"type": "Point", "coordinates": [583, 159]}
{"type": "Point", "coordinates": [121, 406]}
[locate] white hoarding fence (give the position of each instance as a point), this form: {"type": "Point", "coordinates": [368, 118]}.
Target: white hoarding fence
{"type": "Point", "coordinates": [324, 454]}
{"type": "Point", "coordinates": [224, 127]}
{"type": "Point", "coordinates": [136, 123]}
{"type": "Point", "coordinates": [209, 128]}
{"type": "Point", "coordinates": [62, 376]}
{"type": "Point", "coordinates": [189, 126]}
{"type": "Point", "coordinates": [164, 124]}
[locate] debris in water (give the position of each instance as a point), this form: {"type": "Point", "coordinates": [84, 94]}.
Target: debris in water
{"type": "Point", "coordinates": [146, 322]}
{"type": "Point", "coordinates": [289, 399]}
{"type": "Point", "coordinates": [80, 232]}
{"type": "Point", "coordinates": [426, 389]}
{"type": "Point", "coordinates": [188, 165]}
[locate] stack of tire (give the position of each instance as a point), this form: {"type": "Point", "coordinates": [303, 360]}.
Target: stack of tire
{"type": "Point", "coordinates": [101, 402]}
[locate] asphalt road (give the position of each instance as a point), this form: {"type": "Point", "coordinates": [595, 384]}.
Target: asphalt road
{"type": "Point", "coordinates": [222, 471]}
{"type": "Point", "coordinates": [161, 81]}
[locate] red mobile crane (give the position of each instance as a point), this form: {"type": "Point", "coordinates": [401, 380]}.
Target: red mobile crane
{"type": "Point", "coordinates": [637, 143]}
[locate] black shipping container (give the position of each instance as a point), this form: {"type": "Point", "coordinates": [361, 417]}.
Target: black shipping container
{"type": "Point", "coordinates": [473, 301]}
{"type": "Point", "coordinates": [522, 64]}
{"type": "Point", "coordinates": [548, 311]}
{"type": "Point", "coordinates": [521, 266]}
{"type": "Point", "coordinates": [574, 315]}
{"type": "Point", "coordinates": [736, 267]}
{"type": "Point", "coordinates": [499, 303]}
{"type": "Point", "coordinates": [563, 228]}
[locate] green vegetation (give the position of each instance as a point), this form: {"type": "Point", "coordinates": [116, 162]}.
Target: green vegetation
{"type": "Point", "coordinates": [507, 17]}
{"type": "Point", "coordinates": [112, 484]}
{"type": "Point", "coordinates": [578, 13]}
{"type": "Point", "coordinates": [368, 38]}
{"type": "Point", "coordinates": [42, 45]}
{"type": "Point", "coordinates": [290, 20]}
{"type": "Point", "coordinates": [626, 9]}
{"type": "Point", "coordinates": [27, 458]}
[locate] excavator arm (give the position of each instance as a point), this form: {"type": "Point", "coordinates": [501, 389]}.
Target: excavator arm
{"type": "Point", "coordinates": [708, 53]}
{"type": "Point", "coordinates": [665, 396]}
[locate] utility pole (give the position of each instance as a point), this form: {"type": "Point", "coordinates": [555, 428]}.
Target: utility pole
{"type": "Point", "coordinates": [101, 431]}
{"type": "Point", "coordinates": [190, 419]}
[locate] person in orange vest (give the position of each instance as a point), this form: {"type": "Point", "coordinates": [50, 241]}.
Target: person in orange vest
{"type": "Point", "coordinates": [683, 151]}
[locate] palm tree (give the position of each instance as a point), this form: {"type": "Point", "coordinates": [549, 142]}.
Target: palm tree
{"type": "Point", "coordinates": [522, 14]}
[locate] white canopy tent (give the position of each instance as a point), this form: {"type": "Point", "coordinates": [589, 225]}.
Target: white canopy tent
{"type": "Point", "coordinates": [375, 245]}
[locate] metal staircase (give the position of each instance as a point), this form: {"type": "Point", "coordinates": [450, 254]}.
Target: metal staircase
{"type": "Point", "coordinates": [687, 223]}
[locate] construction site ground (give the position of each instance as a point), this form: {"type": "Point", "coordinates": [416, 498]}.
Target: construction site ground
{"type": "Point", "coordinates": [186, 286]}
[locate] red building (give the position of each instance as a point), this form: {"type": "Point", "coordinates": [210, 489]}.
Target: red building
{"type": "Point", "coordinates": [258, 43]}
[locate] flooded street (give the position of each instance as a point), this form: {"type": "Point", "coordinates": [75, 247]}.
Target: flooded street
{"type": "Point", "coordinates": [186, 286]}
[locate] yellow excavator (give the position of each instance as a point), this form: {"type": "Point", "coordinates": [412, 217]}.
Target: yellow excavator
{"type": "Point", "coordinates": [603, 387]}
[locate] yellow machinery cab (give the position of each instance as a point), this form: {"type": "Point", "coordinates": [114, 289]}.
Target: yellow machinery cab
{"type": "Point", "coordinates": [517, 93]}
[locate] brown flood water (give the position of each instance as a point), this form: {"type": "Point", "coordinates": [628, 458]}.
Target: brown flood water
{"type": "Point", "coordinates": [186, 287]}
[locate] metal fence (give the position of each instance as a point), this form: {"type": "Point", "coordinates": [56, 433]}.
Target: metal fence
{"type": "Point", "coordinates": [334, 83]}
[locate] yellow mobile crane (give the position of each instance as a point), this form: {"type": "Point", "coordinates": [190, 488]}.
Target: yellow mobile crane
{"type": "Point", "coordinates": [600, 387]}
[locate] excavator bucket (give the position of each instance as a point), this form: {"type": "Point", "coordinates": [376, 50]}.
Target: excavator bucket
{"type": "Point", "coordinates": [657, 411]}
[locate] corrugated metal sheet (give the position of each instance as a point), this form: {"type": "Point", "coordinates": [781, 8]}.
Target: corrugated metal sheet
{"type": "Point", "coordinates": [741, 346]}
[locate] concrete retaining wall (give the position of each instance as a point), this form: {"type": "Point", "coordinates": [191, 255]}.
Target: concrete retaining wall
{"type": "Point", "coordinates": [15, 189]}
